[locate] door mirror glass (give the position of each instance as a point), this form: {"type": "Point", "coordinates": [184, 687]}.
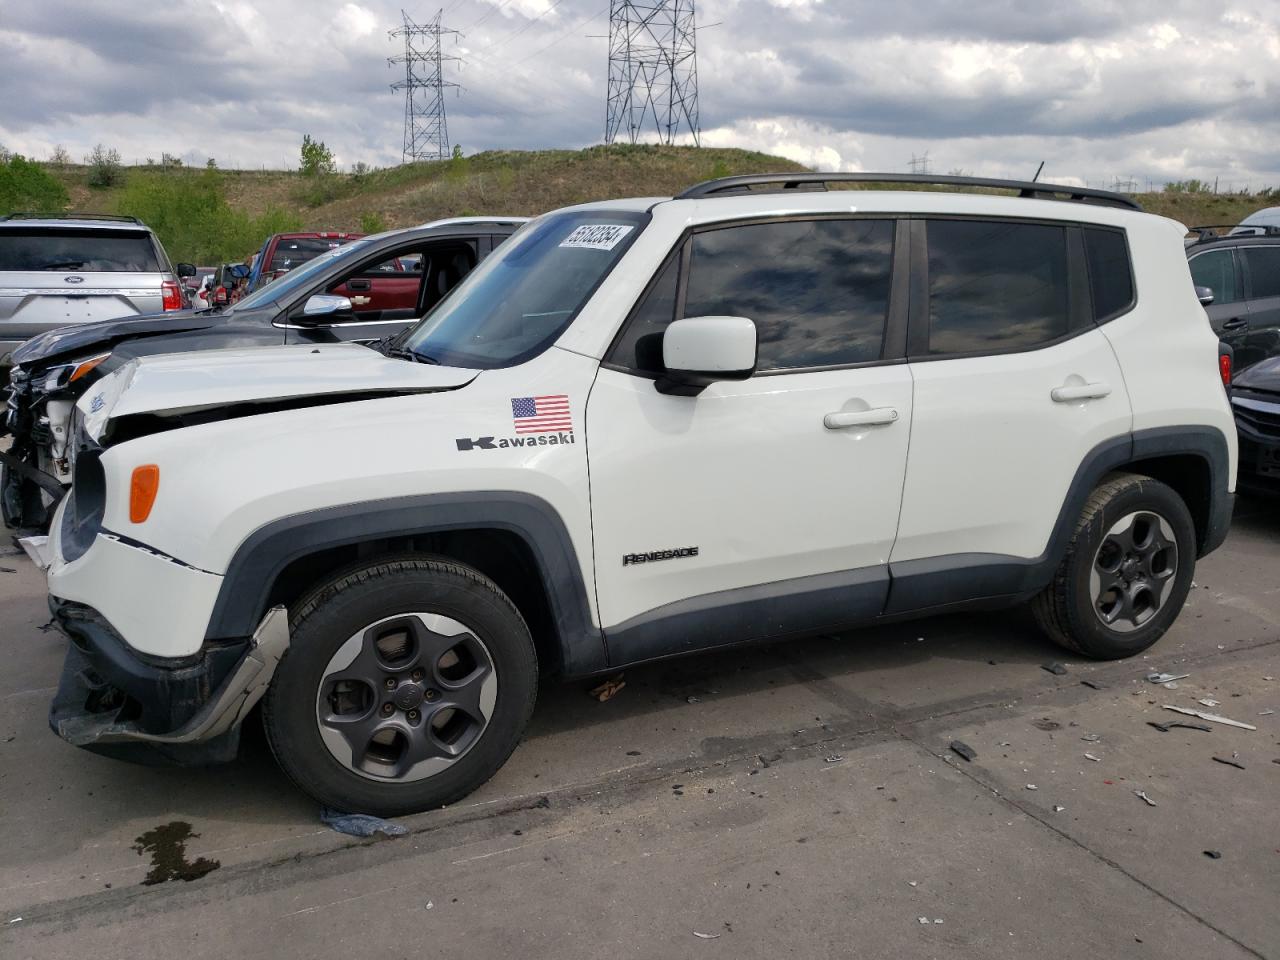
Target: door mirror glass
{"type": "Point", "coordinates": [1205, 295]}
{"type": "Point", "coordinates": [322, 305]}
{"type": "Point", "coordinates": [185, 269]}
{"type": "Point", "coordinates": [238, 270]}
{"type": "Point", "coordinates": [698, 351]}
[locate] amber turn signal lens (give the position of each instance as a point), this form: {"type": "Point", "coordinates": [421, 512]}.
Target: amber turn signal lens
{"type": "Point", "coordinates": [142, 491]}
{"type": "Point", "coordinates": [85, 367]}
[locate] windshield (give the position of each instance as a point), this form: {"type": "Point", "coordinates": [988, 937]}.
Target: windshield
{"type": "Point", "coordinates": [519, 300]}
{"type": "Point", "coordinates": [93, 250]}
{"type": "Point", "coordinates": [295, 279]}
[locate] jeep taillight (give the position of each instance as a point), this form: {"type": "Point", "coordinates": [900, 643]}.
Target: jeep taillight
{"type": "Point", "coordinates": [220, 295]}
{"type": "Point", "coordinates": [1224, 368]}
{"type": "Point", "coordinates": [171, 295]}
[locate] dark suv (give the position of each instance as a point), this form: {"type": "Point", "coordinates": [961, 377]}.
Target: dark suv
{"type": "Point", "coordinates": [1239, 280]}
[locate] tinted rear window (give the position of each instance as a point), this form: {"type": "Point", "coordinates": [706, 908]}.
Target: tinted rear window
{"type": "Point", "coordinates": [1264, 271]}
{"type": "Point", "coordinates": [81, 251]}
{"type": "Point", "coordinates": [995, 286]}
{"type": "Point", "coordinates": [290, 253]}
{"type": "Point", "coordinates": [1110, 276]}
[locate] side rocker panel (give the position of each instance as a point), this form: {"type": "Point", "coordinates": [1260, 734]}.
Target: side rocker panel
{"type": "Point", "coordinates": [268, 551]}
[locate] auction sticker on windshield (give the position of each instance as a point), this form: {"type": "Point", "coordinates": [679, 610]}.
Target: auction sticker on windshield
{"type": "Point", "coordinates": [597, 236]}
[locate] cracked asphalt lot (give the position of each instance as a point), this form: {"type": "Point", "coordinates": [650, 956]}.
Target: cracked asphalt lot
{"type": "Point", "coordinates": [797, 799]}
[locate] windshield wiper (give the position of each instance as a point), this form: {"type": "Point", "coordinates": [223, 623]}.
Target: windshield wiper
{"type": "Point", "coordinates": [404, 353]}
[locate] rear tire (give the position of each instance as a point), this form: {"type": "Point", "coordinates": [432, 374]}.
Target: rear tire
{"type": "Point", "coordinates": [406, 685]}
{"type": "Point", "coordinates": [1126, 573]}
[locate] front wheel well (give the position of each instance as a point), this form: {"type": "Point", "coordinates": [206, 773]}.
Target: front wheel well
{"type": "Point", "coordinates": [502, 556]}
{"type": "Point", "coordinates": [1190, 477]}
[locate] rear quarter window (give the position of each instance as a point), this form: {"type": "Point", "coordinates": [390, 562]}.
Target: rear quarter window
{"type": "Point", "coordinates": [1110, 272]}
{"type": "Point", "coordinates": [78, 251]}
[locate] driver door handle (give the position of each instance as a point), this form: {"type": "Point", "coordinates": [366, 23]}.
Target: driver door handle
{"type": "Point", "coordinates": [1081, 391]}
{"type": "Point", "coordinates": [876, 416]}
{"type": "Point", "coordinates": [1236, 323]}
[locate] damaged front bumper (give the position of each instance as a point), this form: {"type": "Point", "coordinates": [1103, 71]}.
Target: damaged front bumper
{"type": "Point", "coordinates": [117, 702]}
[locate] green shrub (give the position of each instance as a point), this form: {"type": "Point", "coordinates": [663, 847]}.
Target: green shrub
{"type": "Point", "coordinates": [25, 185]}
{"type": "Point", "coordinates": [190, 214]}
{"type": "Point", "coordinates": [372, 223]}
{"type": "Point", "coordinates": [317, 159]}
{"type": "Point", "coordinates": [104, 167]}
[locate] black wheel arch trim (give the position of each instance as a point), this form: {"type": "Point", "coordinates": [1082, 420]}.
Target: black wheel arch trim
{"type": "Point", "coordinates": [265, 553]}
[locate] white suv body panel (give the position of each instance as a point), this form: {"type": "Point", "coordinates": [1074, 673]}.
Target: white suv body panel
{"type": "Point", "coordinates": [973, 483]}
{"type": "Point", "coordinates": [748, 474]}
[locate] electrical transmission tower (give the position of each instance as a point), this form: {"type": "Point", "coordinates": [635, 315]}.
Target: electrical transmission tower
{"type": "Point", "coordinates": [653, 70]}
{"type": "Point", "coordinates": [426, 132]}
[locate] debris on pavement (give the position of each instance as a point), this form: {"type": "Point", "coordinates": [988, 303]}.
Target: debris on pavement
{"type": "Point", "coordinates": [1166, 677]}
{"type": "Point", "coordinates": [962, 749]}
{"type": "Point", "coordinates": [1091, 738]}
{"type": "Point", "coordinates": [1213, 854]}
{"type": "Point", "coordinates": [1142, 795]}
{"type": "Point", "coordinates": [1057, 669]}
{"type": "Point", "coordinates": [609, 689]}
{"type": "Point", "coordinates": [1265, 713]}
{"type": "Point", "coordinates": [706, 936]}
{"type": "Point", "coordinates": [1166, 727]}
{"type": "Point", "coordinates": [1094, 684]}
{"type": "Point", "coordinates": [1211, 717]}
{"type": "Point", "coordinates": [1044, 723]}
{"type": "Point", "coordinates": [692, 699]}
{"type": "Point", "coordinates": [1090, 756]}
{"type": "Point", "coordinates": [1229, 763]}
{"type": "Point", "coordinates": [360, 824]}
{"type": "Point", "coordinates": [1208, 702]}
{"type": "Point", "coordinates": [1032, 786]}
{"type": "Point", "coordinates": [1058, 808]}
{"type": "Point", "coordinates": [834, 758]}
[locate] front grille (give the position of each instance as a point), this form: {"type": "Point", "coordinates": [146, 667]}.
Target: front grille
{"type": "Point", "coordinates": [1265, 423]}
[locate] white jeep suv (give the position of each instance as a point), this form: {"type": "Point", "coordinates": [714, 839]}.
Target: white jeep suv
{"type": "Point", "coordinates": [762, 409]}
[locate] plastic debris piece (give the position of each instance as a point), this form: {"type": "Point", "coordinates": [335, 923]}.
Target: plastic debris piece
{"type": "Point", "coordinates": [834, 758]}
{"type": "Point", "coordinates": [1091, 738]}
{"type": "Point", "coordinates": [692, 700]}
{"type": "Point", "coordinates": [963, 749]}
{"type": "Point", "coordinates": [1208, 702]}
{"type": "Point", "coordinates": [1044, 723]}
{"type": "Point", "coordinates": [1032, 786]}
{"type": "Point", "coordinates": [360, 824]}
{"type": "Point", "coordinates": [1166, 727]}
{"type": "Point", "coordinates": [1166, 677]}
{"type": "Point", "coordinates": [1057, 669]}
{"type": "Point", "coordinates": [609, 689]}
{"type": "Point", "coordinates": [937, 919]}
{"type": "Point", "coordinates": [1171, 685]}
{"type": "Point", "coordinates": [922, 919]}
{"type": "Point", "coordinates": [1211, 717]}
{"type": "Point", "coordinates": [1229, 763]}
{"type": "Point", "coordinates": [706, 936]}
{"type": "Point", "coordinates": [1142, 795]}
{"type": "Point", "coordinates": [1090, 756]}
{"type": "Point", "coordinates": [1094, 684]}
{"type": "Point", "coordinates": [1261, 713]}
{"type": "Point", "coordinates": [1057, 808]}
{"type": "Point", "coordinates": [913, 883]}
{"type": "Point", "coordinates": [1213, 854]}
{"type": "Point", "coordinates": [430, 905]}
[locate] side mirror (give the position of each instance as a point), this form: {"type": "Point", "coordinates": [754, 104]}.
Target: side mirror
{"type": "Point", "coordinates": [698, 351]}
{"type": "Point", "coordinates": [326, 305]}
{"type": "Point", "coordinates": [1205, 295]}
{"type": "Point", "coordinates": [239, 271]}
{"type": "Point", "coordinates": [185, 269]}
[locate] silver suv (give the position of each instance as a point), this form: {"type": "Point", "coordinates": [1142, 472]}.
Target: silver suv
{"type": "Point", "coordinates": [59, 271]}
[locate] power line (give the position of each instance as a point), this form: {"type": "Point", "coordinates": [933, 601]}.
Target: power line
{"type": "Point", "coordinates": [426, 131]}
{"type": "Point", "coordinates": [653, 70]}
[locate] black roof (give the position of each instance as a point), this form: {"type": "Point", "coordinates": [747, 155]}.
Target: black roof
{"type": "Point", "coordinates": [818, 181]}
{"type": "Point", "coordinates": [1264, 233]}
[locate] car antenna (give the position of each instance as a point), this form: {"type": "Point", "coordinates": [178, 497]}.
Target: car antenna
{"type": "Point", "coordinates": [1038, 169]}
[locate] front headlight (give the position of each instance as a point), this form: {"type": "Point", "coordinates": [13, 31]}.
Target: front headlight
{"type": "Point", "coordinates": [66, 373]}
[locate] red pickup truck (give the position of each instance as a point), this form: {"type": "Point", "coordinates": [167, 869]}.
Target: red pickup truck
{"type": "Point", "coordinates": [283, 252]}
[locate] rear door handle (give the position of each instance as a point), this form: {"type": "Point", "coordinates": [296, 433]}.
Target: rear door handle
{"type": "Point", "coordinates": [1080, 391]}
{"type": "Point", "coordinates": [1236, 323]}
{"type": "Point", "coordinates": [876, 416]}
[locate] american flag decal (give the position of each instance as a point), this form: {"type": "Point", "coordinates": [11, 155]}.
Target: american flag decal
{"type": "Point", "coordinates": [541, 414]}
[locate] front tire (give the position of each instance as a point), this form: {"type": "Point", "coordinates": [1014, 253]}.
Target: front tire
{"type": "Point", "coordinates": [1126, 573]}
{"type": "Point", "coordinates": [407, 684]}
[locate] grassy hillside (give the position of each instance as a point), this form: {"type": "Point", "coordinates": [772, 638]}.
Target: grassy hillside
{"type": "Point", "coordinates": [496, 182]}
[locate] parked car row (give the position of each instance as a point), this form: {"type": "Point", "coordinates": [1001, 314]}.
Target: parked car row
{"type": "Point", "coordinates": [623, 431]}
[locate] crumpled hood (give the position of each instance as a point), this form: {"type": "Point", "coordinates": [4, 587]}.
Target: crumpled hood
{"type": "Point", "coordinates": [81, 340]}
{"type": "Point", "coordinates": [181, 383]}
{"type": "Point", "coordinates": [1264, 375]}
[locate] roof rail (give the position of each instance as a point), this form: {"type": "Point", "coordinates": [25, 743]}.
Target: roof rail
{"type": "Point", "coordinates": [63, 215]}
{"type": "Point", "coordinates": [1203, 234]}
{"type": "Point", "coordinates": [819, 181]}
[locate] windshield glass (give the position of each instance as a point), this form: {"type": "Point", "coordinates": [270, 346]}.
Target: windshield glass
{"type": "Point", "coordinates": [519, 300]}
{"type": "Point", "coordinates": [92, 250]}
{"type": "Point", "coordinates": [295, 279]}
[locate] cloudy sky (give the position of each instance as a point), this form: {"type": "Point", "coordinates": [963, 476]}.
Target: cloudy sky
{"type": "Point", "coordinates": [1152, 90]}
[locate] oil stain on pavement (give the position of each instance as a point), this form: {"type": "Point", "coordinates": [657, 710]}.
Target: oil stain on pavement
{"type": "Point", "coordinates": [167, 845]}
